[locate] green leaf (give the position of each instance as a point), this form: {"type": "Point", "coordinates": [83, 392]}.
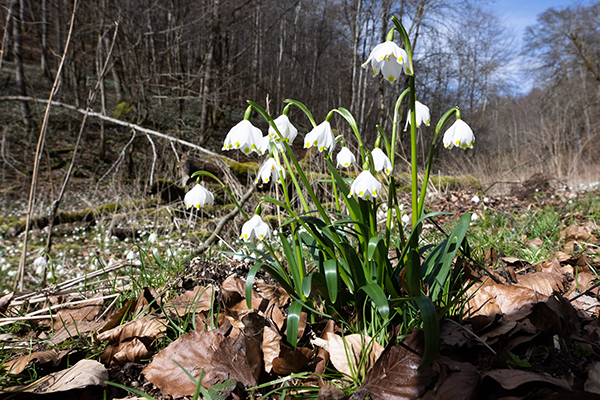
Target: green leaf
{"type": "Point", "coordinates": [249, 283]}
{"type": "Point", "coordinates": [430, 327]}
{"type": "Point", "coordinates": [307, 286]}
{"type": "Point", "coordinates": [373, 242]}
{"type": "Point", "coordinates": [293, 321]}
{"type": "Point", "coordinates": [331, 277]}
{"type": "Point", "coordinates": [375, 292]}
{"type": "Point", "coordinates": [405, 40]}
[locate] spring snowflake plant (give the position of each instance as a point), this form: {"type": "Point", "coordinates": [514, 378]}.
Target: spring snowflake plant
{"type": "Point", "coordinates": [333, 259]}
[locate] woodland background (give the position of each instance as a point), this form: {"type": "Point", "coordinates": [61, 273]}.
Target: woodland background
{"type": "Point", "coordinates": [187, 68]}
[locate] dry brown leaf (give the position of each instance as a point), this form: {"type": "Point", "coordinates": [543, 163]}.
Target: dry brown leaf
{"type": "Point", "coordinates": [274, 314]}
{"type": "Point", "coordinates": [83, 374]}
{"type": "Point", "coordinates": [81, 312]}
{"type": "Point", "coordinates": [395, 375]}
{"type": "Point", "coordinates": [5, 302]}
{"type": "Point", "coordinates": [536, 243]}
{"type": "Point", "coordinates": [542, 282]}
{"type": "Point", "coordinates": [481, 303]}
{"type": "Point", "coordinates": [220, 357]}
{"type": "Point", "coordinates": [271, 347]}
{"type": "Point", "coordinates": [452, 335]}
{"type": "Point", "coordinates": [457, 380]}
{"type": "Point", "coordinates": [511, 378]}
{"type": "Point", "coordinates": [19, 365]}
{"type": "Point", "coordinates": [275, 294]}
{"type": "Point", "coordinates": [347, 352]}
{"type": "Point", "coordinates": [515, 302]}
{"type": "Point", "coordinates": [551, 267]}
{"type": "Point", "coordinates": [330, 392]}
{"type": "Point", "coordinates": [195, 300]}
{"type": "Point", "coordinates": [132, 351]}
{"type": "Point", "coordinates": [292, 361]}
{"type": "Point", "coordinates": [149, 327]}
{"type": "Point", "coordinates": [323, 356]}
{"type": "Point", "coordinates": [583, 281]}
{"type": "Point", "coordinates": [577, 233]}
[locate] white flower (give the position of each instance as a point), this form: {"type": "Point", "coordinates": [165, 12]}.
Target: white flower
{"type": "Point", "coordinates": [198, 197]}
{"type": "Point", "coordinates": [365, 186]}
{"type": "Point", "coordinates": [321, 136]}
{"type": "Point", "coordinates": [390, 59]}
{"type": "Point", "coordinates": [285, 127]}
{"type": "Point", "coordinates": [270, 169]}
{"type": "Point", "coordinates": [345, 158]}
{"type": "Point", "coordinates": [243, 136]}
{"type": "Point", "coordinates": [405, 219]}
{"type": "Point", "coordinates": [153, 237]}
{"type": "Point", "coordinates": [263, 145]}
{"type": "Point", "coordinates": [459, 135]}
{"type": "Point", "coordinates": [255, 227]}
{"type": "Point", "coordinates": [421, 116]}
{"type": "Point", "coordinates": [474, 217]}
{"type": "Point", "coordinates": [381, 161]}
{"type": "Point", "coordinates": [40, 263]}
{"type": "Point", "coordinates": [475, 199]}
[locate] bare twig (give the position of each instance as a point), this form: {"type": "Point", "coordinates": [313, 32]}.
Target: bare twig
{"type": "Point", "coordinates": [153, 159]}
{"type": "Point", "coordinates": [38, 153]}
{"type": "Point", "coordinates": [57, 202]}
{"type": "Point", "coordinates": [116, 163]}
{"type": "Point", "coordinates": [473, 334]}
{"type": "Point", "coordinates": [5, 34]}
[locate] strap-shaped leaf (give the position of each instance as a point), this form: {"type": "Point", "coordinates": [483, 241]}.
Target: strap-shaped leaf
{"type": "Point", "coordinates": [331, 277]}
{"type": "Point", "coordinates": [293, 321]}
{"type": "Point", "coordinates": [430, 327]}
{"type": "Point", "coordinates": [375, 292]}
{"type": "Point", "coordinates": [250, 283]}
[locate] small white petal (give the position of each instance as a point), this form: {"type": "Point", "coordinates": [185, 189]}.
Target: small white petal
{"type": "Point", "coordinates": [321, 136]}
{"type": "Point", "coordinates": [365, 186]}
{"type": "Point", "coordinates": [381, 161]}
{"type": "Point", "coordinates": [255, 227]}
{"type": "Point", "coordinates": [345, 158]}
{"type": "Point", "coordinates": [285, 127]}
{"type": "Point", "coordinates": [198, 197]}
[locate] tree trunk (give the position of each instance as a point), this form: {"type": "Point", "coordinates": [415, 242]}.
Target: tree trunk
{"type": "Point", "coordinates": [17, 14]}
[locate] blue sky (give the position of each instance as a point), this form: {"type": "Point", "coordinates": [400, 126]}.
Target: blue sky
{"type": "Point", "coordinates": [519, 14]}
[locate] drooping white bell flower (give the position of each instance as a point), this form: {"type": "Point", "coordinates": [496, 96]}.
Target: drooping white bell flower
{"type": "Point", "coordinates": [390, 59]}
{"type": "Point", "coordinates": [421, 116]}
{"type": "Point", "coordinates": [459, 135]}
{"type": "Point", "coordinates": [198, 197]}
{"type": "Point", "coordinates": [153, 237]}
{"type": "Point", "coordinates": [263, 145]}
{"type": "Point", "coordinates": [243, 136]}
{"type": "Point", "coordinates": [40, 263]}
{"type": "Point", "coordinates": [345, 158]}
{"type": "Point", "coordinates": [285, 127]}
{"type": "Point", "coordinates": [321, 136]}
{"type": "Point", "coordinates": [475, 199]}
{"type": "Point", "coordinates": [365, 186]}
{"type": "Point", "coordinates": [381, 161]}
{"type": "Point", "coordinates": [255, 227]}
{"type": "Point", "coordinates": [271, 169]}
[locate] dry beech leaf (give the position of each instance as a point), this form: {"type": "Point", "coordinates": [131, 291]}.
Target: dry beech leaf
{"type": "Point", "coordinates": [457, 380]}
{"type": "Point", "coordinates": [330, 392]}
{"type": "Point", "coordinates": [515, 302]}
{"type": "Point", "coordinates": [552, 267]}
{"type": "Point", "coordinates": [19, 365]}
{"type": "Point", "coordinates": [452, 335]}
{"type": "Point", "coordinates": [480, 302]}
{"type": "Point", "coordinates": [577, 233]}
{"type": "Point", "coordinates": [131, 351]}
{"type": "Point", "coordinates": [323, 356]}
{"type": "Point", "coordinates": [395, 375]}
{"type": "Point", "coordinates": [292, 361]}
{"type": "Point", "coordinates": [275, 294]}
{"type": "Point", "coordinates": [83, 374]}
{"type": "Point", "coordinates": [583, 281]}
{"type": "Point", "coordinates": [514, 260]}
{"type": "Point", "coordinates": [542, 282]}
{"type": "Point", "coordinates": [80, 312]}
{"type": "Point", "coordinates": [5, 302]}
{"type": "Point", "coordinates": [274, 314]}
{"type": "Point", "coordinates": [195, 300]}
{"type": "Point", "coordinates": [271, 347]}
{"type": "Point", "coordinates": [234, 291]}
{"type": "Point", "coordinates": [537, 242]}
{"type": "Point", "coordinates": [220, 357]}
{"type": "Point", "coordinates": [511, 378]}
{"type": "Point", "coordinates": [346, 352]}
{"type": "Point", "coordinates": [149, 326]}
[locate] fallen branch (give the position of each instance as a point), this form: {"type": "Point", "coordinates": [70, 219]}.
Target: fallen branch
{"type": "Point", "coordinates": [119, 122]}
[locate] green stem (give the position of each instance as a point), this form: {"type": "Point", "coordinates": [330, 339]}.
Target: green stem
{"type": "Point", "coordinates": [413, 152]}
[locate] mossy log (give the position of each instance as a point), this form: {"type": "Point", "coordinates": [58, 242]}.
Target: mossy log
{"type": "Point", "coordinates": [89, 215]}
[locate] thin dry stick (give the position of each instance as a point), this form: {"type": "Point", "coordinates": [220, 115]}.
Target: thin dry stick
{"type": "Point", "coordinates": [38, 153]}
{"type": "Point", "coordinates": [474, 335]}
{"type": "Point", "coordinates": [57, 202]}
